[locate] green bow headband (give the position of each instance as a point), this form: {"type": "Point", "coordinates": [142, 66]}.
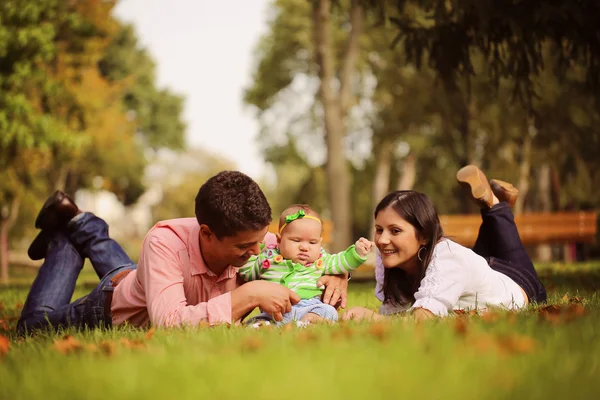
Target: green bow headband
{"type": "Point", "coordinates": [298, 215]}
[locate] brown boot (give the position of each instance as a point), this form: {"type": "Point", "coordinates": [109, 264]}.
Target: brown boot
{"type": "Point", "coordinates": [504, 191]}
{"type": "Point", "coordinates": [475, 183]}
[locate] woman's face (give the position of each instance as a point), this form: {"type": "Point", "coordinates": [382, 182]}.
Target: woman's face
{"type": "Point", "coordinates": [397, 240]}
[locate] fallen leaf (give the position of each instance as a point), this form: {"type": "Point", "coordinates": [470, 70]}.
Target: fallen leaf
{"type": "Point", "coordinates": [107, 348]}
{"type": "Point", "coordinates": [18, 306]}
{"type": "Point", "coordinates": [91, 348]}
{"type": "Point", "coordinates": [132, 344]}
{"type": "Point", "coordinates": [306, 336]}
{"type": "Point", "coordinates": [68, 344]}
{"type": "Point", "coordinates": [490, 317]}
{"type": "Point", "coordinates": [4, 345]}
{"type": "Point", "coordinates": [460, 326]}
{"type": "Point", "coordinates": [561, 314]}
{"type": "Point", "coordinates": [517, 344]}
{"type": "Point", "coordinates": [379, 331]}
{"type": "Point", "coordinates": [252, 343]}
{"type": "Point", "coordinates": [150, 333]}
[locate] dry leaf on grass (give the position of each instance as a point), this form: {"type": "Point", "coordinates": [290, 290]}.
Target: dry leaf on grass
{"type": "Point", "coordinates": [132, 344]}
{"type": "Point", "coordinates": [343, 332]}
{"type": "Point", "coordinates": [504, 345]}
{"type": "Point", "coordinates": [379, 330]}
{"type": "Point", "coordinates": [4, 325]}
{"type": "Point", "coordinates": [490, 317]}
{"type": "Point", "coordinates": [150, 333]}
{"type": "Point", "coordinates": [4, 345]}
{"type": "Point", "coordinates": [68, 344]}
{"type": "Point", "coordinates": [517, 344]}
{"type": "Point", "coordinates": [560, 314]}
{"type": "Point", "coordinates": [107, 348]}
{"type": "Point", "coordinates": [252, 343]}
{"type": "Point", "coordinates": [460, 327]}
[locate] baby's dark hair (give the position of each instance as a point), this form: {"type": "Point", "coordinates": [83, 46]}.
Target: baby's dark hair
{"type": "Point", "coordinates": [231, 202]}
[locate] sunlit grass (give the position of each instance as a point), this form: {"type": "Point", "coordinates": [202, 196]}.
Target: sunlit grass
{"type": "Point", "coordinates": [531, 354]}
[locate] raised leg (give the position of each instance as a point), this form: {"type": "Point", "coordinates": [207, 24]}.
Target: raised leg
{"type": "Point", "coordinates": [90, 236]}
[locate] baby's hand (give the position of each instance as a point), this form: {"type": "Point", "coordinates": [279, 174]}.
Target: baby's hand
{"type": "Point", "coordinates": [363, 246]}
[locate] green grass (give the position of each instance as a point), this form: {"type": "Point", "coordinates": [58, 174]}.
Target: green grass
{"type": "Point", "coordinates": [511, 355]}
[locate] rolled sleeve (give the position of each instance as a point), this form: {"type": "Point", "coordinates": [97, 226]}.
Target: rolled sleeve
{"type": "Point", "coordinates": [435, 306]}
{"type": "Point", "coordinates": [219, 309]}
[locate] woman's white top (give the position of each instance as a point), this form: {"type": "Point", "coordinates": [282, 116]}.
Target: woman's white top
{"type": "Point", "coordinates": [459, 279]}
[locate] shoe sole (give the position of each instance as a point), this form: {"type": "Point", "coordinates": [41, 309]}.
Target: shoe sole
{"type": "Point", "coordinates": [469, 178]}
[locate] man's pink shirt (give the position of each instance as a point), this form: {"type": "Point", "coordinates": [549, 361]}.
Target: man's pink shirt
{"type": "Point", "coordinates": [172, 285]}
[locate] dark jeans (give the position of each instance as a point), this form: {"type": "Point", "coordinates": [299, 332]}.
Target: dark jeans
{"type": "Point", "coordinates": [499, 242]}
{"type": "Point", "coordinates": [47, 305]}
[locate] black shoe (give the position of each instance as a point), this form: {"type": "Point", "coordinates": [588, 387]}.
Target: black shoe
{"type": "Point", "coordinates": [56, 212]}
{"type": "Point", "coordinates": [39, 247]}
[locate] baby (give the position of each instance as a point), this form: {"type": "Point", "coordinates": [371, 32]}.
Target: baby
{"type": "Point", "coordinates": [298, 262]}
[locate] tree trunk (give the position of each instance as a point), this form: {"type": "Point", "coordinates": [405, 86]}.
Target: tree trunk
{"type": "Point", "coordinates": [524, 170]}
{"type": "Point", "coordinates": [7, 221]}
{"type": "Point", "coordinates": [544, 251]}
{"type": "Point", "coordinates": [409, 173]}
{"type": "Point", "coordinates": [382, 176]}
{"type": "Point", "coordinates": [335, 105]}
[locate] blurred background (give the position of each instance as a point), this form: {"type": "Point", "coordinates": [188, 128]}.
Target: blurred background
{"type": "Point", "coordinates": [131, 105]}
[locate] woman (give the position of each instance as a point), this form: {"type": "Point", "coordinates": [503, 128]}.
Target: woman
{"type": "Point", "coordinates": [430, 275]}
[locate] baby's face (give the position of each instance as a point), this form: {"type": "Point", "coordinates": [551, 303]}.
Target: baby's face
{"type": "Point", "coordinates": [301, 241]}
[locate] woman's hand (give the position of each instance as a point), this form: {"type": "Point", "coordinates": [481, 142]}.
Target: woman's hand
{"type": "Point", "coordinates": [336, 289]}
{"type": "Point", "coordinates": [422, 314]}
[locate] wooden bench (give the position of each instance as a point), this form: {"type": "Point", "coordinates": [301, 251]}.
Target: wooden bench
{"type": "Point", "coordinates": [534, 229]}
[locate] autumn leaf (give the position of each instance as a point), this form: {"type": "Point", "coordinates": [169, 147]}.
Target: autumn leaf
{"type": "Point", "coordinates": [560, 314]}
{"type": "Point", "coordinates": [490, 317]}
{"type": "Point", "coordinates": [379, 331]}
{"type": "Point", "coordinates": [132, 344]}
{"type": "Point", "coordinates": [68, 344]}
{"type": "Point", "coordinates": [460, 327]}
{"type": "Point", "coordinates": [150, 333]}
{"type": "Point", "coordinates": [517, 344]}
{"type": "Point", "coordinates": [4, 345]}
{"type": "Point", "coordinates": [108, 348]}
{"type": "Point", "coordinates": [251, 343]}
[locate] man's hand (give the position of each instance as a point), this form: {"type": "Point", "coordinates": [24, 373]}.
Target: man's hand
{"type": "Point", "coordinates": [363, 246]}
{"type": "Point", "coordinates": [276, 299]}
{"type": "Point", "coordinates": [272, 298]}
{"type": "Point", "coordinates": [336, 290]}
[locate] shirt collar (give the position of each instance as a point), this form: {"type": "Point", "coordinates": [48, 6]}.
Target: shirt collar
{"type": "Point", "coordinates": [197, 264]}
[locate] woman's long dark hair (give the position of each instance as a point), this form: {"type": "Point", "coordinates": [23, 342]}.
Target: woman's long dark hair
{"type": "Point", "coordinates": [416, 209]}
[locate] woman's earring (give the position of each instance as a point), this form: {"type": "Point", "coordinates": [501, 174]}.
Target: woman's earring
{"type": "Point", "coordinates": [419, 253]}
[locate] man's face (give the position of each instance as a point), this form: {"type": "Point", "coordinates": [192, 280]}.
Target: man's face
{"type": "Point", "coordinates": [237, 249]}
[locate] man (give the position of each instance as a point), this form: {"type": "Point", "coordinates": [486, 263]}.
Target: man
{"type": "Point", "coordinates": [187, 272]}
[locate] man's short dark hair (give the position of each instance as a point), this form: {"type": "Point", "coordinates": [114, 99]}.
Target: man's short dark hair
{"type": "Point", "coordinates": [231, 202]}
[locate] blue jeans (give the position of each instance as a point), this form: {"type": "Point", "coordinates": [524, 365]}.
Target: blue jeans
{"type": "Point", "coordinates": [47, 305]}
{"type": "Point", "coordinates": [499, 242]}
{"type": "Point", "coordinates": [303, 307]}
